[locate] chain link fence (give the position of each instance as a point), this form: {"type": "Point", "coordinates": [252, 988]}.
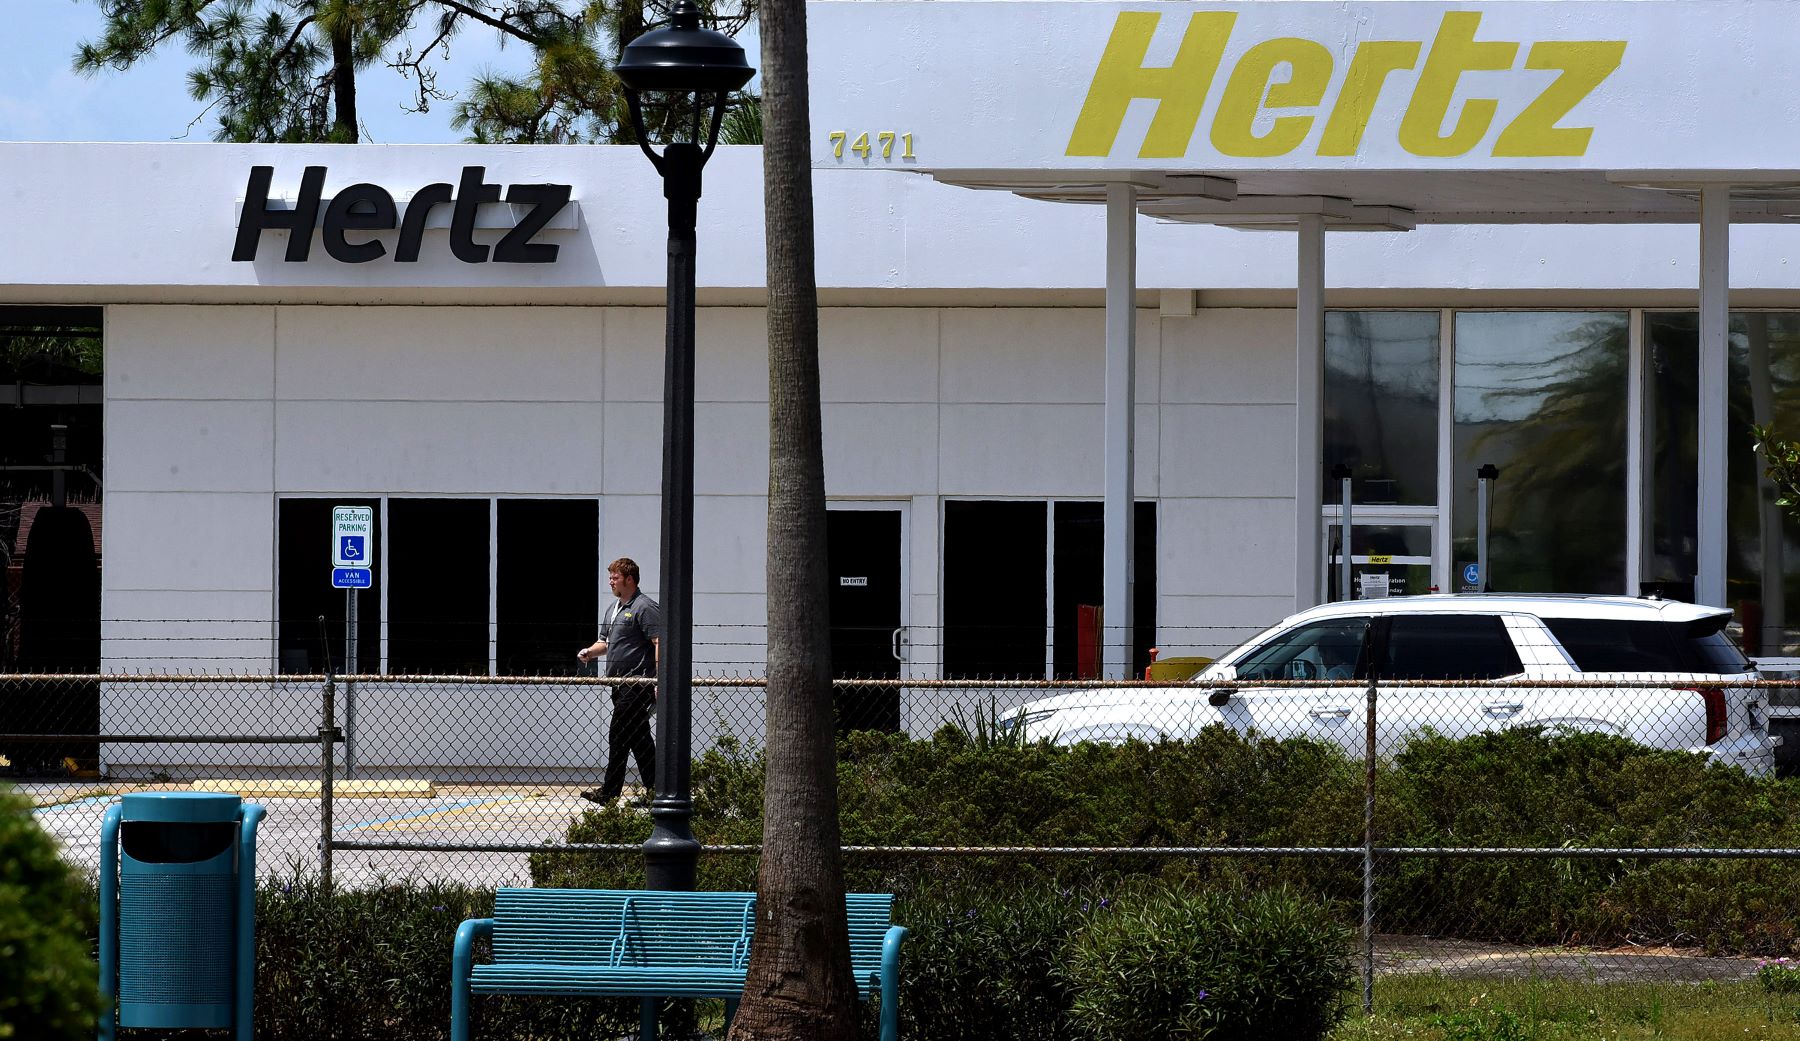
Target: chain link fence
{"type": "Point", "coordinates": [1629, 826]}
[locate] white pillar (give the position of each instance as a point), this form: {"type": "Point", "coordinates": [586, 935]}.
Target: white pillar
{"type": "Point", "coordinates": [1715, 371]}
{"type": "Point", "coordinates": [1309, 407]}
{"type": "Point", "coordinates": [1121, 374]}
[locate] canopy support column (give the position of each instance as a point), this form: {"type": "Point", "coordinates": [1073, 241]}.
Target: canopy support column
{"type": "Point", "coordinates": [1715, 378]}
{"type": "Point", "coordinates": [1118, 556]}
{"type": "Point", "coordinates": [1309, 409]}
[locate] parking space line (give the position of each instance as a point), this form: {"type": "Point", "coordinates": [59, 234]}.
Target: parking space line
{"type": "Point", "coordinates": [74, 804]}
{"type": "Point", "coordinates": [465, 806]}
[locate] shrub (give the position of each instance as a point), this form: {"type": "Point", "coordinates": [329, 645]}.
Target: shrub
{"type": "Point", "coordinates": [49, 986]}
{"type": "Point", "coordinates": [1780, 976]}
{"type": "Point", "coordinates": [981, 963]}
{"type": "Point", "coordinates": [955, 790]}
{"type": "Point", "coordinates": [1531, 787]}
{"type": "Point", "coordinates": [1220, 965]}
{"type": "Point", "coordinates": [1511, 788]}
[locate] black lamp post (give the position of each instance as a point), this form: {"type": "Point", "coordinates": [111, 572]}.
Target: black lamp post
{"type": "Point", "coordinates": [679, 60]}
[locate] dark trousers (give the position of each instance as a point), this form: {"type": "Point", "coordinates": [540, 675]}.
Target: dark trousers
{"type": "Point", "coordinates": [629, 733]}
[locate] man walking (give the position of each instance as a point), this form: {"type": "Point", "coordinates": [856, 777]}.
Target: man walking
{"type": "Point", "coordinates": [630, 638]}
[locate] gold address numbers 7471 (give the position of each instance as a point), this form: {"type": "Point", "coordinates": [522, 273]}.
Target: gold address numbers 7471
{"type": "Point", "coordinates": [884, 143]}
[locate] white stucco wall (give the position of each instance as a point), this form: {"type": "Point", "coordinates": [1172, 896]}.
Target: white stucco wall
{"type": "Point", "coordinates": [214, 412]}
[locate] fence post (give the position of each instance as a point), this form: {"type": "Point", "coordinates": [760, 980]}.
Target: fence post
{"type": "Point", "coordinates": [1368, 908]}
{"type": "Point", "coordinates": [328, 734]}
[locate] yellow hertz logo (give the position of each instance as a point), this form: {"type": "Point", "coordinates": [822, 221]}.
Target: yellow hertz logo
{"type": "Point", "coordinates": [1180, 91]}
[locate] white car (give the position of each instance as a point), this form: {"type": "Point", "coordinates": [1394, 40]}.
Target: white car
{"type": "Point", "coordinates": [1664, 648]}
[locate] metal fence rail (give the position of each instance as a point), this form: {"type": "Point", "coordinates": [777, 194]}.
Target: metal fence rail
{"type": "Point", "coordinates": [463, 778]}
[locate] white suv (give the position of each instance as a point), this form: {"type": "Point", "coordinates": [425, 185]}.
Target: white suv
{"type": "Point", "coordinates": [1665, 649]}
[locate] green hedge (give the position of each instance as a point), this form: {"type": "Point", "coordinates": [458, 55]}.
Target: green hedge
{"type": "Point", "coordinates": [49, 988]}
{"type": "Point", "coordinates": [1527, 788]}
{"type": "Point", "coordinates": [361, 965]}
{"type": "Point", "coordinates": [1070, 948]}
{"type": "Point", "coordinates": [1225, 965]}
{"type": "Point", "coordinates": [1218, 789]}
{"type": "Point", "coordinates": [1515, 788]}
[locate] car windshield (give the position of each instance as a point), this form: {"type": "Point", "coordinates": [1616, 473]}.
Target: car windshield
{"type": "Point", "coordinates": [1325, 650]}
{"type": "Point", "coordinates": [1620, 645]}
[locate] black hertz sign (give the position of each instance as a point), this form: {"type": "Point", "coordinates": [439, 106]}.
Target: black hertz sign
{"type": "Point", "coordinates": [363, 208]}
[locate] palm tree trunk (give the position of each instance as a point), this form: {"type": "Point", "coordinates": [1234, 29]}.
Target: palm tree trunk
{"type": "Point", "coordinates": [799, 984]}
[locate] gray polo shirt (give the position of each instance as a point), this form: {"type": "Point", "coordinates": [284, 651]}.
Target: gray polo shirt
{"type": "Point", "coordinates": [633, 625]}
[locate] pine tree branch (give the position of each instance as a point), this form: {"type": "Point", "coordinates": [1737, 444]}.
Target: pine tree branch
{"type": "Point", "coordinates": [487, 19]}
{"type": "Point", "coordinates": [415, 61]}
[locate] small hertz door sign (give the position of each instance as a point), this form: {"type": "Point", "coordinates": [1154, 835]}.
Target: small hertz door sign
{"type": "Point", "coordinates": [366, 208]}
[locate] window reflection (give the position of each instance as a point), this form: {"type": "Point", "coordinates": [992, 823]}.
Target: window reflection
{"type": "Point", "coordinates": [1762, 571]}
{"type": "Point", "coordinates": [1542, 395]}
{"type": "Point", "coordinates": [1381, 404]}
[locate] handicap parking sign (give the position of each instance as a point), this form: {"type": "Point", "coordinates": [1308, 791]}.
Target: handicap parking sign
{"type": "Point", "coordinates": [352, 536]}
{"type": "Point", "coordinates": [1471, 575]}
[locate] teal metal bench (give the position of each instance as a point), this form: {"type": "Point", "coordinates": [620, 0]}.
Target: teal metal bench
{"type": "Point", "coordinates": [649, 945]}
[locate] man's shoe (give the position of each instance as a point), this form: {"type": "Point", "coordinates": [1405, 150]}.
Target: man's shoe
{"type": "Point", "coordinates": [593, 795]}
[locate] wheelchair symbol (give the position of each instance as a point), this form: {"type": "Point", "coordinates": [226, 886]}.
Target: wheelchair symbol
{"type": "Point", "coordinates": [351, 548]}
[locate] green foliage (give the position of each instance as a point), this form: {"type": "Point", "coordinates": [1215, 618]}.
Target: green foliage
{"type": "Point", "coordinates": [37, 354]}
{"type": "Point", "coordinates": [1514, 788]}
{"type": "Point", "coordinates": [49, 986]}
{"type": "Point", "coordinates": [1482, 1025]}
{"type": "Point", "coordinates": [1530, 788]}
{"type": "Point", "coordinates": [1780, 976]}
{"type": "Point", "coordinates": [1224, 964]}
{"type": "Point", "coordinates": [980, 963]}
{"type": "Point", "coordinates": [1781, 464]}
{"type": "Point", "coordinates": [277, 70]}
{"type": "Point", "coordinates": [743, 121]}
{"type": "Point", "coordinates": [957, 790]}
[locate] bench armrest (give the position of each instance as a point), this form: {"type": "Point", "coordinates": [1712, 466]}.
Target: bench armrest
{"type": "Point", "coordinates": [462, 963]}
{"type": "Point", "coordinates": [890, 982]}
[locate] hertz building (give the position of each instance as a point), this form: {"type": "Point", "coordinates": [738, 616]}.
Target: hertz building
{"type": "Point", "coordinates": [1219, 250]}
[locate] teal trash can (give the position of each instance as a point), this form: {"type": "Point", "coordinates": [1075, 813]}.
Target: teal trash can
{"type": "Point", "coordinates": [178, 911]}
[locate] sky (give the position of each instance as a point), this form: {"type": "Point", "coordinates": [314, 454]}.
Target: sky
{"type": "Point", "coordinates": [43, 99]}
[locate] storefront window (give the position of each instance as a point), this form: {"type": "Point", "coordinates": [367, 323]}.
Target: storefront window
{"type": "Point", "coordinates": [1762, 572]}
{"type": "Point", "coordinates": [1381, 405]}
{"type": "Point", "coordinates": [1542, 396]}
{"type": "Point", "coordinates": [51, 361]}
{"type": "Point", "coordinates": [436, 615]}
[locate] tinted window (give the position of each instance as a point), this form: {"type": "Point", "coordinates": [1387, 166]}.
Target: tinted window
{"type": "Point", "coordinates": [1542, 395]}
{"type": "Point", "coordinates": [1316, 651]}
{"type": "Point", "coordinates": [1449, 647]}
{"type": "Point", "coordinates": [1616, 645]}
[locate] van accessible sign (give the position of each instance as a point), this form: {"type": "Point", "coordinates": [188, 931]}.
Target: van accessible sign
{"type": "Point", "coordinates": [1298, 84]}
{"type": "Point", "coordinates": [362, 209]}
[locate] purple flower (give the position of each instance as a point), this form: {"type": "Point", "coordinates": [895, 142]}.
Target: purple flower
{"type": "Point", "coordinates": [971, 913]}
{"type": "Point", "coordinates": [1106, 901]}
{"type": "Point", "coordinates": [287, 887]}
{"type": "Point", "coordinates": [439, 907]}
{"type": "Point", "coordinates": [1201, 996]}
{"type": "Point", "coordinates": [1084, 905]}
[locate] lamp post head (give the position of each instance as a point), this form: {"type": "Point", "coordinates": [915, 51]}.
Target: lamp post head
{"type": "Point", "coordinates": [683, 58]}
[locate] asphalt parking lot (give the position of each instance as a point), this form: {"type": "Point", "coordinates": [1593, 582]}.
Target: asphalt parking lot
{"type": "Point", "coordinates": [288, 838]}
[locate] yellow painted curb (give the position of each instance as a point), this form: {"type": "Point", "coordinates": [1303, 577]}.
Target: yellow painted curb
{"type": "Point", "coordinates": [292, 789]}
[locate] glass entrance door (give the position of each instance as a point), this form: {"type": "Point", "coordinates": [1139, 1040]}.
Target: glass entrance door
{"type": "Point", "coordinates": [1390, 553]}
